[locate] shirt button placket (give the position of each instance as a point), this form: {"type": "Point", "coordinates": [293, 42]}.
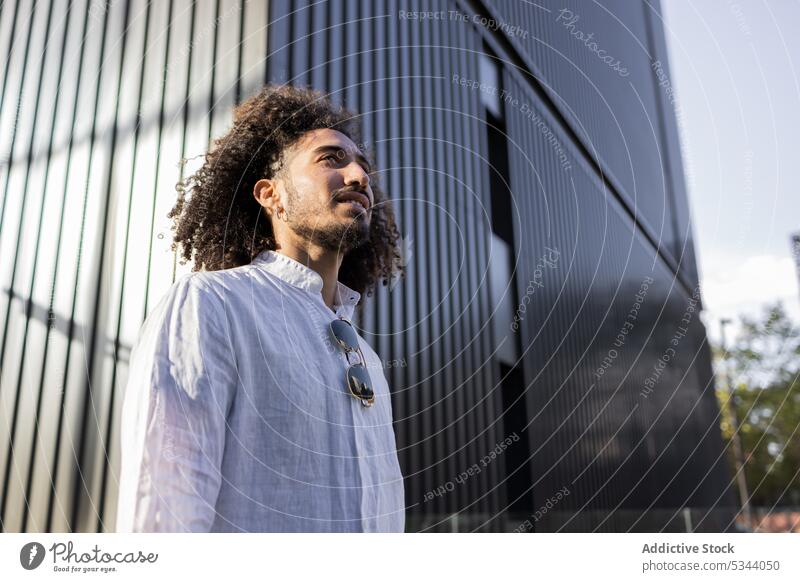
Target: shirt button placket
{"type": "Point", "coordinates": [358, 410]}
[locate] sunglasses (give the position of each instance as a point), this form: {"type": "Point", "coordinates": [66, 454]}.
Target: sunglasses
{"type": "Point", "coordinates": [358, 380]}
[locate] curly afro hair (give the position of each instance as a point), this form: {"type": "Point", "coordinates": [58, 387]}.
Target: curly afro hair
{"type": "Point", "coordinates": [217, 222]}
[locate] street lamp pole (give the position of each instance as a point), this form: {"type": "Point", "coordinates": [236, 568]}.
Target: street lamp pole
{"type": "Point", "coordinates": [744, 498]}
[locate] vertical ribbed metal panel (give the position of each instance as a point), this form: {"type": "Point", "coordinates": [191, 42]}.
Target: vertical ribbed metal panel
{"type": "Point", "coordinates": [615, 116]}
{"type": "Point", "coordinates": [22, 335]}
{"type": "Point", "coordinates": [628, 460]}
{"type": "Point", "coordinates": [93, 134]}
{"type": "Point", "coordinates": [671, 150]}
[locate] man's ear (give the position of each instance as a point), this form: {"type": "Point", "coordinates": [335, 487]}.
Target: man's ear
{"type": "Point", "coordinates": [266, 194]}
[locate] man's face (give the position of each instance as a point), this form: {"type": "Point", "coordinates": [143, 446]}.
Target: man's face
{"type": "Point", "coordinates": [326, 191]}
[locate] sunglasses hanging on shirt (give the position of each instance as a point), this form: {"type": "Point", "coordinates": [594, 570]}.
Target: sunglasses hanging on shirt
{"type": "Point", "coordinates": [358, 380]}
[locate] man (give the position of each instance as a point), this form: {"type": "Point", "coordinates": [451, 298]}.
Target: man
{"type": "Point", "coordinates": [252, 403]}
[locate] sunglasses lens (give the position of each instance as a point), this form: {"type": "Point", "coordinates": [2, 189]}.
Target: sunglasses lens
{"type": "Point", "coordinates": [359, 382]}
{"type": "Point", "coordinates": [344, 334]}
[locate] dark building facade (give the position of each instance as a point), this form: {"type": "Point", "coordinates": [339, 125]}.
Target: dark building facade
{"type": "Point", "coordinates": [549, 367]}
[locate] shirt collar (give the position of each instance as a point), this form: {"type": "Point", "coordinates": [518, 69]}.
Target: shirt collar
{"type": "Point", "coordinates": [303, 277]}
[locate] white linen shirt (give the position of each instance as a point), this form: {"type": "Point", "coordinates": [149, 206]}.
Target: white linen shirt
{"type": "Point", "coordinates": [237, 416]}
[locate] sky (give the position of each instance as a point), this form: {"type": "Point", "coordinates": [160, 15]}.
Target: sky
{"type": "Point", "coordinates": [735, 67]}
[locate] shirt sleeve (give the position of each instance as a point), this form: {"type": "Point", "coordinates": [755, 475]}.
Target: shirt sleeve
{"type": "Point", "coordinates": [181, 382]}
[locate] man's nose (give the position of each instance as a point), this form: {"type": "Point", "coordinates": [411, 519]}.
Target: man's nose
{"type": "Point", "coordinates": [357, 177]}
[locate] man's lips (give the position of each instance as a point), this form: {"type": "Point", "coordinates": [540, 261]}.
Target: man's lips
{"type": "Point", "coordinates": [358, 197]}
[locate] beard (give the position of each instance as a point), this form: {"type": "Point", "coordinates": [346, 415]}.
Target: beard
{"type": "Point", "coordinates": [304, 220]}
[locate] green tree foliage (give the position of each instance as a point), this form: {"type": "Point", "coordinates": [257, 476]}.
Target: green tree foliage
{"type": "Point", "coordinates": [763, 367]}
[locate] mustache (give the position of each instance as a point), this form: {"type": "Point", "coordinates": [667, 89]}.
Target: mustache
{"type": "Point", "coordinates": [350, 190]}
